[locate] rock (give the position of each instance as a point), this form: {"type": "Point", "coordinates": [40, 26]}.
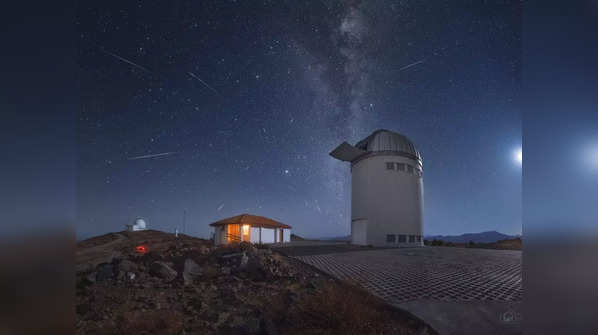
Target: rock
{"type": "Point", "coordinates": [162, 270]}
{"type": "Point", "coordinates": [131, 275]}
{"type": "Point", "coordinates": [242, 325]}
{"type": "Point", "coordinates": [105, 271]}
{"type": "Point", "coordinates": [126, 265]}
{"type": "Point", "coordinates": [225, 270]}
{"type": "Point", "coordinates": [92, 277]}
{"type": "Point", "coordinates": [251, 325]}
{"type": "Point", "coordinates": [222, 317]}
{"type": "Point", "coordinates": [248, 247]}
{"type": "Point", "coordinates": [236, 254]}
{"type": "Point", "coordinates": [244, 260]}
{"type": "Point", "coordinates": [270, 328]}
{"type": "Point", "coordinates": [255, 269]}
{"type": "Point", "coordinates": [210, 271]}
{"type": "Point", "coordinates": [191, 271]}
{"type": "Point", "coordinates": [82, 308]}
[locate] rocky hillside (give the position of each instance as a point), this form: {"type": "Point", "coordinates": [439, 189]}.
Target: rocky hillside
{"type": "Point", "coordinates": [151, 282]}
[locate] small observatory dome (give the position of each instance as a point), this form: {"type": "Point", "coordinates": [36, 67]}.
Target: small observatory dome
{"type": "Point", "coordinates": [140, 223]}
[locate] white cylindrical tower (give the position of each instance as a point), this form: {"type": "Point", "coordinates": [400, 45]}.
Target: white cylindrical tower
{"type": "Point", "coordinates": [386, 190]}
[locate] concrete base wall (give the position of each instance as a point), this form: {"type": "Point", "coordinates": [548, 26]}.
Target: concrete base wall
{"type": "Point", "coordinates": [389, 200]}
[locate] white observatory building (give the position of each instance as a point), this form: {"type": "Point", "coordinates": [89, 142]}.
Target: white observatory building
{"type": "Point", "coordinates": [386, 190]}
{"type": "Point", "coordinates": [138, 225]}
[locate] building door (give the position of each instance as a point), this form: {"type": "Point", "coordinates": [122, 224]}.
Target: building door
{"type": "Point", "coordinates": [359, 229]}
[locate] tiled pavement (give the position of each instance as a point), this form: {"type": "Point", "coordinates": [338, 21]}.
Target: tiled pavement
{"type": "Point", "coordinates": [441, 274]}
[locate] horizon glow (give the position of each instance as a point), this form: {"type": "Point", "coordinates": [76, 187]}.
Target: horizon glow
{"type": "Point", "coordinates": [591, 156]}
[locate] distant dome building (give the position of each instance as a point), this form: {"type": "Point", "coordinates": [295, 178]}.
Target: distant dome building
{"type": "Point", "coordinates": [386, 189]}
{"type": "Point", "coordinates": [138, 225]}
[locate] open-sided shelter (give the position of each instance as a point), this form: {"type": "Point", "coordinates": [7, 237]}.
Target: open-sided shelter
{"type": "Point", "coordinates": [250, 228]}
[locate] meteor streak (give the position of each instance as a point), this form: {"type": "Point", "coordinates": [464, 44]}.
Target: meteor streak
{"type": "Point", "coordinates": [412, 64]}
{"type": "Point", "coordinates": [151, 156]}
{"type": "Point", "coordinates": [203, 82]}
{"type": "Point", "coordinates": [125, 60]}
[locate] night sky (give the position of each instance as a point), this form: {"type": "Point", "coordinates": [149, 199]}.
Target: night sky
{"type": "Point", "coordinates": [561, 121]}
{"type": "Point", "coordinates": [245, 100]}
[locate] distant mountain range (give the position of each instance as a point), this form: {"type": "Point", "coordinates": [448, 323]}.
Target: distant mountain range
{"type": "Point", "coordinates": [483, 237]}
{"type": "Point", "coordinates": [337, 238]}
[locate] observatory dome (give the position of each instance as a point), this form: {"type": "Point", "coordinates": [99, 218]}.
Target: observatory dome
{"type": "Point", "coordinates": [140, 223]}
{"type": "Point", "coordinates": [386, 140]}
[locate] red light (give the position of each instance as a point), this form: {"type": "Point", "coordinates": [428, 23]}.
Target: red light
{"type": "Point", "coordinates": [142, 249]}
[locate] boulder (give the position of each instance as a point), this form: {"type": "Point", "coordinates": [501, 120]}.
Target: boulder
{"type": "Point", "coordinates": [222, 318]}
{"type": "Point", "coordinates": [252, 325]}
{"type": "Point", "coordinates": [270, 328]}
{"type": "Point", "coordinates": [244, 260]}
{"type": "Point", "coordinates": [126, 265]}
{"type": "Point", "coordinates": [210, 271]}
{"type": "Point", "coordinates": [163, 270]}
{"type": "Point", "coordinates": [236, 254]}
{"type": "Point", "coordinates": [92, 277]}
{"type": "Point", "coordinates": [191, 271]}
{"type": "Point", "coordinates": [255, 269]}
{"type": "Point", "coordinates": [204, 250]}
{"type": "Point", "coordinates": [105, 271]}
{"type": "Point", "coordinates": [242, 325]}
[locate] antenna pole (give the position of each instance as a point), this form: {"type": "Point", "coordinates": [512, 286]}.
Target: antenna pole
{"type": "Point", "coordinates": [184, 221]}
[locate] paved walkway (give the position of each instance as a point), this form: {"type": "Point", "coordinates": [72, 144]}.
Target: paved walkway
{"type": "Point", "coordinates": [455, 290]}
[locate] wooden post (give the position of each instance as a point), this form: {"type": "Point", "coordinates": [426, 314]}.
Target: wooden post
{"type": "Point", "coordinates": [260, 235]}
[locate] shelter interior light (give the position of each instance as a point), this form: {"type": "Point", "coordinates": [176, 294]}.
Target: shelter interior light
{"type": "Point", "coordinates": [245, 229]}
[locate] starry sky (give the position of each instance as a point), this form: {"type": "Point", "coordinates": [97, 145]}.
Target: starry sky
{"type": "Point", "coordinates": [243, 101]}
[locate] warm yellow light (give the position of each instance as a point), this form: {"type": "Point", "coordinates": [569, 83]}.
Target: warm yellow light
{"type": "Point", "coordinates": [245, 229]}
